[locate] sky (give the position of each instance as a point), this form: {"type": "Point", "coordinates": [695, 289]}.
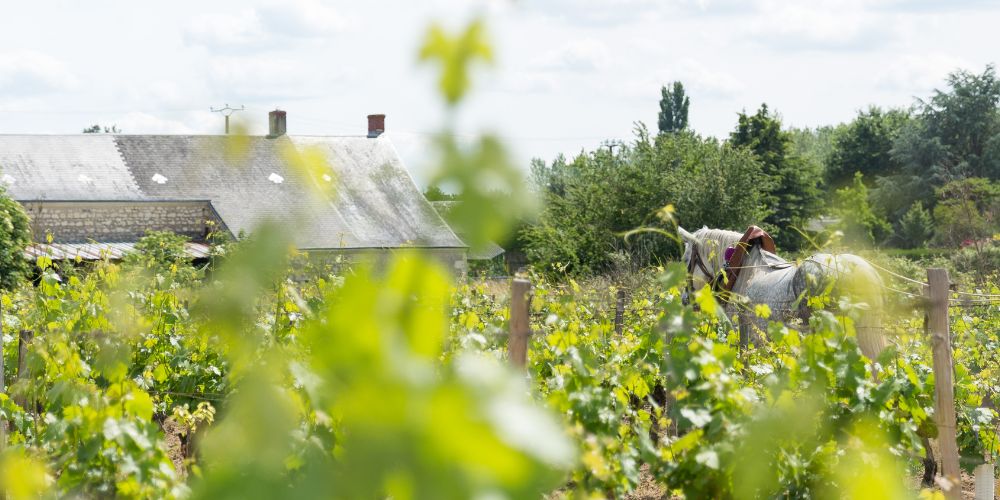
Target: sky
{"type": "Point", "coordinates": [568, 76]}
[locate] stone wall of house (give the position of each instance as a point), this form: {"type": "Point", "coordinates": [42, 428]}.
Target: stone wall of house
{"type": "Point", "coordinates": [79, 222]}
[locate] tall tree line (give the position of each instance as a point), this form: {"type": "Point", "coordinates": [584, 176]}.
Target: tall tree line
{"type": "Point", "coordinates": [907, 177]}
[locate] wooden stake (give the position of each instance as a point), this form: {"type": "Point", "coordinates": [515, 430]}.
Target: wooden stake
{"type": "Point", "coordinates": [620, 312]}
{"type": "Point", "coordinates": [23, 341]}
{"type": "Point", "coordinates": [944, 391]}
{"type": "Point", "coordinates": [520, 329]}
{"type": "Point", "coordinates": [3, 386]}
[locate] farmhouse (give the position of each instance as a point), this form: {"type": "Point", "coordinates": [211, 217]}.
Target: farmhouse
{"type": "Point", "coordinates": [94, 194]}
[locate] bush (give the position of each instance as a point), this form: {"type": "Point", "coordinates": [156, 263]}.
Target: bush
{"type": "Point", "coordinates": [860, 224]}
{"type": "Point", "coordinates": [981, 262]}
{"type": "Point", "coordinates": [15, 236]}
{"type": "Point", "coordinates": [161, 248]}
{"type": "Point", "coordinates": [916, 227]}
{"type": "Point", "coordinates": [163, 252]}
{"type": "Point", "coordinates": [966, 211]}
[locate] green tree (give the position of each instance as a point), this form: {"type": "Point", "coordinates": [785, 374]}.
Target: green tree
{"type": "Point", "coordinates": [916, 227]}
{"type": "Point", "coordinates": [435, 193]}
{"type": "Point", "coordinates": [673, 108]}
{"type": "Point", "coordinates": [865, 145]}
{"type": "Point", "coordinates": [15, 236]}
{"type": "Point", "coordinates": [794, 181]}
{"type": "Point", "coordinates": [97, 129]}
{"type": "Point", "coordinates": [966, 211]}
{"type": "Point", "coordinates": [965, 122]}
{"type": "Point", "coordinates": [816, 145]}
{"type": "Point", "coordinates": [592, 200]}
{"type": "Point", "coordinates": [954, 135]}
{"type": "Point", "coordinates": [860, 224]}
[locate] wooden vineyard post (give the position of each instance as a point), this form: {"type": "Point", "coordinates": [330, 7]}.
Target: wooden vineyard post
{"type": "Point", "coordinates": [520, 329]}
{"type": "Point", "coordinates": [944, 391]}
{"type": "Point", "coordinates": [3, 386]}
{"type": "Point", "coordinates": [620, 312]}
{"type": "Point", "coordinates": [23, 341]}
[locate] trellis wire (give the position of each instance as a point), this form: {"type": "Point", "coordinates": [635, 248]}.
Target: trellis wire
{"type": "Point", "coordinates": [921, 283]}
{"type": "Point", "coordinates": [975, 294]}
{"type": "Point", "coordinates": [900, 276]}
{"type": "Point", "coordinates": [206, 396]}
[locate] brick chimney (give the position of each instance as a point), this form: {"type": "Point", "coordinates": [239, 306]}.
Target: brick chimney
{"type": "Point", "coordinates": [376, 125]}
{"type": "Point", "coordinates": [276, 123]}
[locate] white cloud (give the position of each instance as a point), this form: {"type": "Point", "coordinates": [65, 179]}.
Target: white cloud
{"type": "Point", "coordinates": [242, 29]}
{"type": "Point", "coordinates": [938, 5]}
{"type": "Point", "coordinates": [146, 123]}
{"type": "Point", "coordinates": [531, 82]}
{"type": "Point", "coordinates": [919, 74]}
{"type": "Point", "coordinates": [580, 55]}
{"type": "Point", "coordinates": [823, 24]}
{"type": "Point", "coordinates": [568, 62]}
{"type": "Point", "coordinates": [164, 94]}
{"type": "Point", "coordinates": [698, 79]}
{"type": "Point", "coordinates": [271, 25]}
{"type": "Point", "coordinates": [598, 12]}
{"type": "Point", "coordinates": [301, 18]}
{"type": "Point", "coordinates": [707, 81]}
{"type": "Point", "coordinates": [603, 13]}
{"type": "Point", "coordinates": [281, 78]}
{"type": "Point", "coordinates": [26, 72]}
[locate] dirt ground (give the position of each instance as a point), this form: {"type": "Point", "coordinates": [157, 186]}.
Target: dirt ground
{"type": "Point", "coordinates": [175, 445]}
{"type": "Point", "coordinates": [648, 488]}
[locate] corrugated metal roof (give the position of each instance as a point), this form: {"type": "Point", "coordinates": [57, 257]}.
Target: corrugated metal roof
{"type": "Point", "coordinates": [376, 203]}
{"type": "Point", "coordinates": [99, 251]}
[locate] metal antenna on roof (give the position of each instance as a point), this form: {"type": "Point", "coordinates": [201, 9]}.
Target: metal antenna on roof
{"type": "Point", "coordinates": [227, 112]}
{"type": "Point", "coordinates": [612, 144]}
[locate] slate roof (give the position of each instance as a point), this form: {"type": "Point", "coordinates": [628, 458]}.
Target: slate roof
{"type": "Point", "coordinates": [375, 203]}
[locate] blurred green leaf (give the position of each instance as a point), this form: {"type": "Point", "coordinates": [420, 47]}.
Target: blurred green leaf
{"type": "Point", "coordinates": [494, 198]}
{"type": "Point", "coordinates": [455, 54]}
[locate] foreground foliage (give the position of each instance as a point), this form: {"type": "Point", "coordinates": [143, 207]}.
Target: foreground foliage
{"type": "Point", "coordinates": [362, 386]}
{"type": "Point", "coordinates": [804, 415]}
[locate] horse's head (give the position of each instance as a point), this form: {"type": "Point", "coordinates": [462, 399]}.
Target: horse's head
{"type": "Point", "coordinates": [706, 252]}
{"type": "Point", "coordinates": [700, 266]}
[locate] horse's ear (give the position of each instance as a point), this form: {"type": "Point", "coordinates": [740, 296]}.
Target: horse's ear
{"type": "Point", "coordinates": [686, 236]}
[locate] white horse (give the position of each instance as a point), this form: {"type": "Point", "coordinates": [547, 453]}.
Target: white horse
{"type": "Point", "coordinates": [765, 278]}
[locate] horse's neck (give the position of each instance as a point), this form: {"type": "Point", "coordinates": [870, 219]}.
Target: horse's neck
{"type": "Point", "coordinates": [755, 257]}
{"type": "Point", "coordinates": [753, 263]}
{"type": "Point", "coordinates": [714, 244]}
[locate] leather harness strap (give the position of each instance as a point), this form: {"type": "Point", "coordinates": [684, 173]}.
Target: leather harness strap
{"type": "Point", "coordinates": [753, 236]}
